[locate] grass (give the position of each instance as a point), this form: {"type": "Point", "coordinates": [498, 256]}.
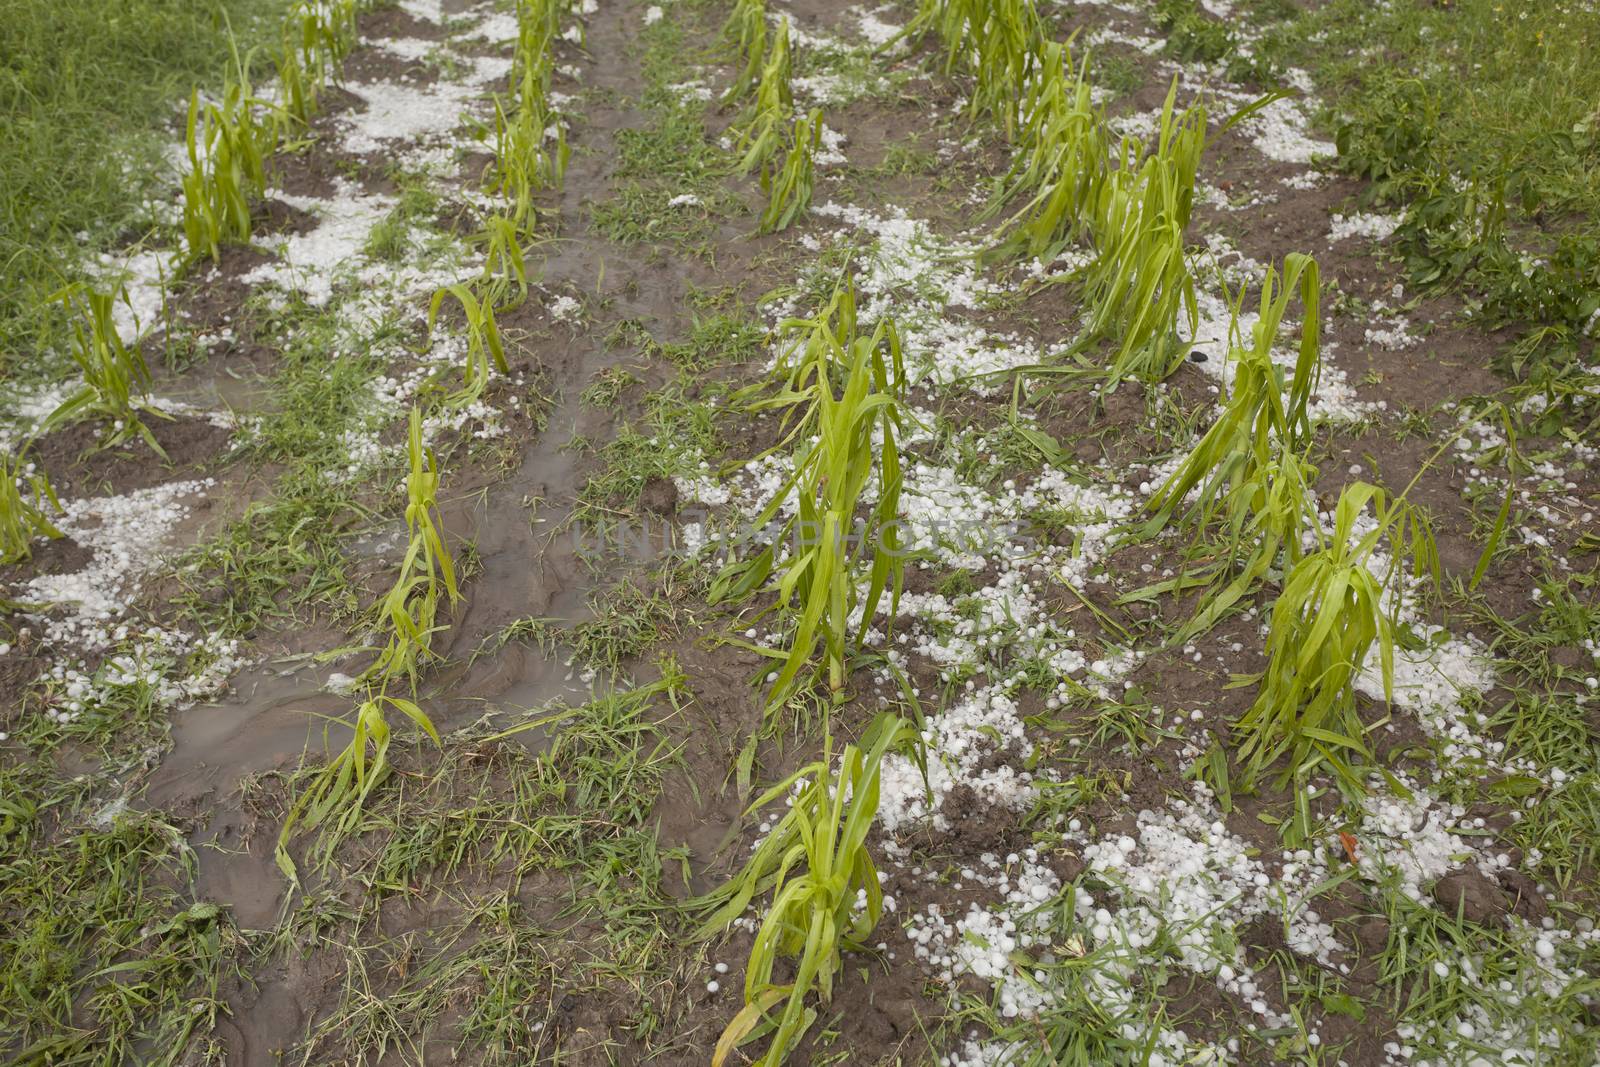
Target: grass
{"type": "Point", "coordinates": [668, 174]}
{"type": "Point", "coordinates": [85, 94]}
{"type": "Point", "coordinates": [1480, 122]}
{"type": "Point", "coordinates": [108, 956]}
{"type": "Point", "coordinates": [486, 827]}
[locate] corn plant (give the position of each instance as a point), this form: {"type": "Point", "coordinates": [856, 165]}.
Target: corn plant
{"type": "Point", "coordinates": [746, 31]}
{"type": "Point", "coordinates": [844, 434]}
{"type": "Point", "coordinates": [23, 496]}
{"type": "Point", "coordinates": [115, 377]}
{"type": "Point", "coordinates": [538, 26]}
{"type": "Point", "coordinates": [789, 192]}
{"type": "Point", "coordinates": [227, 146]}
{"type": "Point", "coordinates": [1061, 165]}
{"type": "Point", "coordinates": [760, 136]}
{"type": "Point", "coordinates": [1250, 467]}
{"type": "Point", "coordinates": [503, 262]}
{"type": "Point", "coordinates": [525, 160]}
{"type": "Point", "coordinates": [340, 790]}
{"type": "Point", "coordinates": [483, 340]}
{"type": "Point", "coordinates": [317, 36]}
{"type": "Point", "coordinates": [1324, 624]}
{"type": "Point", "coordinates": [998, 42]}
{"type": "Point", "coordinates": [1140, 282]}
{"type": "Point", "coordinates": [817, 866]}
{"type": "Point", "coordinates": [409, 611]}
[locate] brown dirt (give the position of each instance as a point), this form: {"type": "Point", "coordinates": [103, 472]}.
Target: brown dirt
{"type": "Point", "coordinates": [77, 466]}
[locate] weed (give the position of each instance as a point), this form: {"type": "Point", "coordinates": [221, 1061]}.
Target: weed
{"type": "Point", "coordinates": [104, 960]}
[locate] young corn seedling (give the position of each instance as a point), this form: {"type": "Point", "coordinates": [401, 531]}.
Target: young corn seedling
{"type": "Point", "coordinates": [760, 136]}
{"type": "Point", "coordinates": [845, 437]}
{"type": "Point", "coordinates": [997, 41]}
{"type": "Point", "coordinates": [227, 148]}
{"type": "Point", "coordinates": [789, 193]}
{"type": "Point", "coordinates": [503, 263]}
{"type": "Point", "coordinates": [410, 609]}
{"type": "Point", "coordinates": [115, 377]}
{"type": "Point", "coordinates": [24, 494]}
{"type": "Point", "coordinates": [1250, 468]}
{"type": "Point", "coordinates": [483, 341]}
{"type": "Point", "coordinates": [1140, 282]}
{"type": "Point", "coordinates": [1062, 163]}
{"type": "Point", "coordinates": [1324, 624]}
{"type": "Point", "coordinates": [410, 613]}
{"type": "Point", "coordinates": [817, 866]}
{"type": "Point", "coordinates": [340, 790]}
{"type": "Point", "coordinates": [746, 30]}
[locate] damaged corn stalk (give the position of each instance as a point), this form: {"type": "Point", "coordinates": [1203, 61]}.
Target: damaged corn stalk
{"type": "Point", "coordinates": [409, 612]}
{"type": "Point", "coordinates": [1331, 613]}
{"type": "Point", "coordinates": [410, 609]}
{"type": "Point", "coordinates": [826, 898]}
{"type": "Point", "coordinates": [115, 377]}
{"type": "Point", "coordinates": [1140, 282]}
{"type": "Point", "coordinates": [1250, 474]}
{"type": "Point", "coordinates": [504, 264]}
{"type": "Point", "coordinates": [841, 398]}
{"type": "Point", "coordinates": [789, 191]}
{"type": "Point", "coordinates": [746, 32]}
{"type": "Point", "coordinates": [227, 146]}
{"type": "Point", "coordinates": [997, 42]}
{"type": "Point", "coordinates": [24, 495]}
{"type": "Point", "coordinates": [1061, 165]}
{"type": "Point", "coordinates": [762, 132]}
{"type": "Point", "coordinates": [483, 341]}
